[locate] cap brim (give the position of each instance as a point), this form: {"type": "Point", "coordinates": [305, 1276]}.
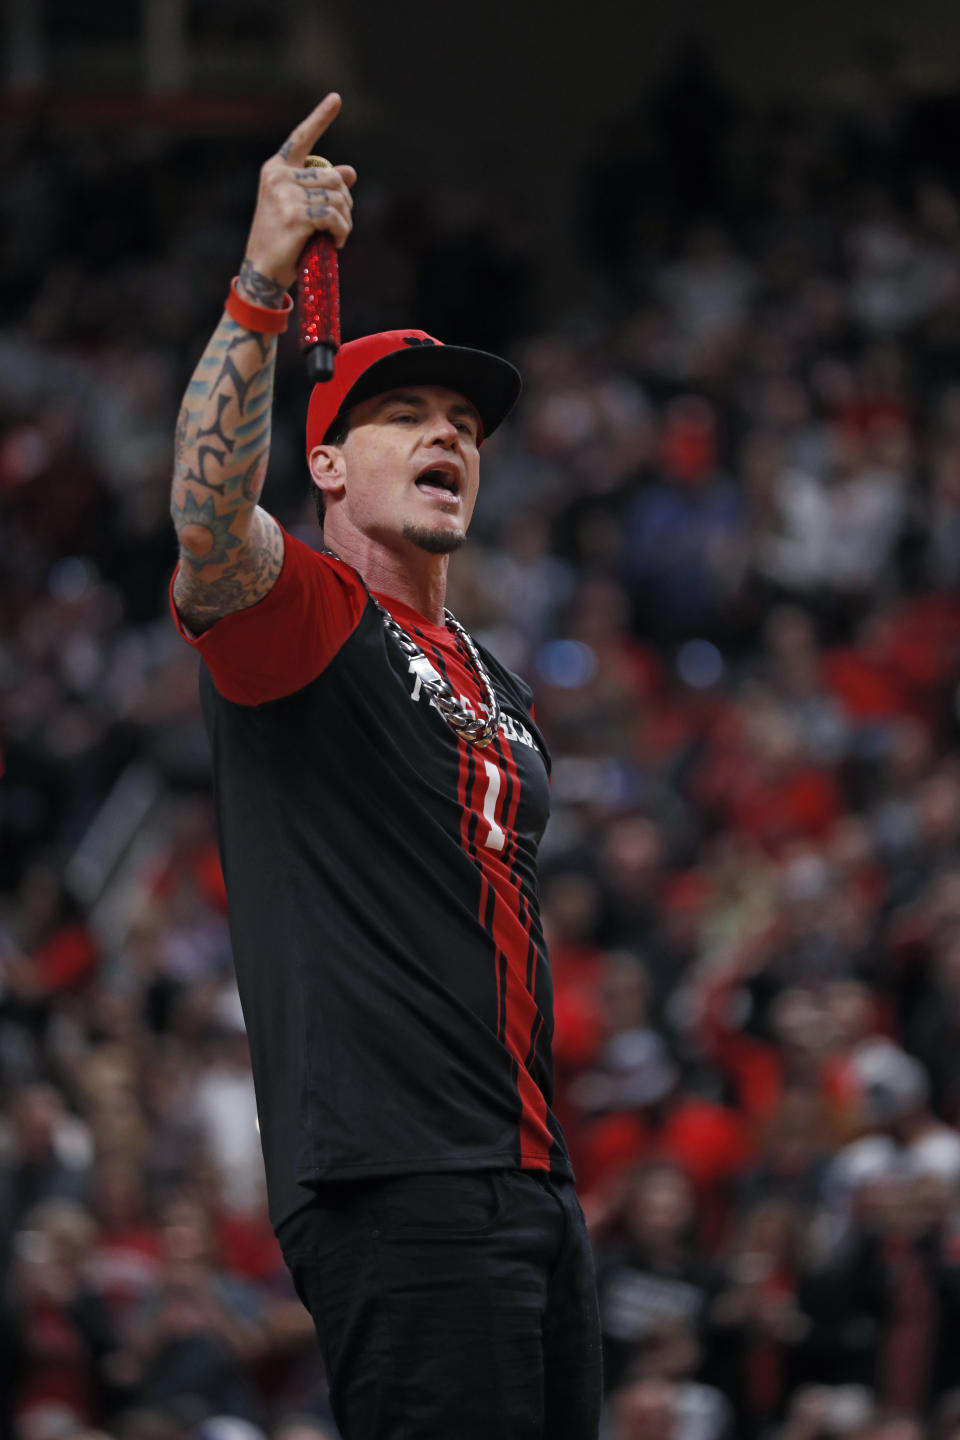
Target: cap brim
{"type": "Point", "coordinates": [490, 383]}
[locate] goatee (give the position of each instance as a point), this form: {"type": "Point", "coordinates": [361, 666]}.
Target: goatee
{"type": "Point", "coordinates": [435, 542]}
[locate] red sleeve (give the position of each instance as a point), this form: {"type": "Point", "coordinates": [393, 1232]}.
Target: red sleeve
{"type": "Point", "coordinates": [283, 642]}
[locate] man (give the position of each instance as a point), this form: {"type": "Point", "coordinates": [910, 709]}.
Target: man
{"type": "Point", "coordinates": [381, 790]}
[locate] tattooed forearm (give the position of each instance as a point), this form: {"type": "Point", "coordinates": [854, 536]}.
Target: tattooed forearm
{"type": "Point", "coordinates": [234, 406]}
{"type": "Point", "coordinates": [221, 448]}
{"type": "Point", "coordinates": [259, 289]}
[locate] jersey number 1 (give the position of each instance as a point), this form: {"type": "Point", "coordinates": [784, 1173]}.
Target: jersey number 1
{"type": "Point", "coordinates": [495, 838]}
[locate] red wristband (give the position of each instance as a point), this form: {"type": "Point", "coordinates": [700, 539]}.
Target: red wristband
{"type": "Point", "coordinates": [262, 318]}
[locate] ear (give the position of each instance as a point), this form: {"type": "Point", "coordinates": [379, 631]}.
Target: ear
{"type": "Point", "coordinates": [328, 468]}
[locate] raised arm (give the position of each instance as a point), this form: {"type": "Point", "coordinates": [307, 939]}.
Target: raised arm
{"type": "Point", "coordinates": [231, 550]}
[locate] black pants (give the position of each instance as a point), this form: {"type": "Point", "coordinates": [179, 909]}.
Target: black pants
{"type": "Point", "coordinates": [452, 1307]}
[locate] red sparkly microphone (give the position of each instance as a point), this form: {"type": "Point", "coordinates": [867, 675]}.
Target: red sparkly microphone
{"type": "Point", "coordinates": [319, 299]}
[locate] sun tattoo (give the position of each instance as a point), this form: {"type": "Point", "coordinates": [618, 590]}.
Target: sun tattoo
{"type": "Point", "coordinates": [217, 527]}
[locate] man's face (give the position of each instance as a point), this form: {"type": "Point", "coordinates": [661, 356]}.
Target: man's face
{"type": "Point", "coordinates": [412, 468]}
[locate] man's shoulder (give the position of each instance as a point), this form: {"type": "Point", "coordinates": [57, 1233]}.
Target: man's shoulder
{"type": "Point", "coordinates": [277, 646]}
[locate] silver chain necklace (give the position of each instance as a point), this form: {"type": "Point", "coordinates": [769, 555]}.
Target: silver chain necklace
{"type": "Point", "coordinates": [478, 730]}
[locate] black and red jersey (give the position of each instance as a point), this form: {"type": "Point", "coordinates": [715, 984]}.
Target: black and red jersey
{"type": "Point", "coordinates": [382, 880]}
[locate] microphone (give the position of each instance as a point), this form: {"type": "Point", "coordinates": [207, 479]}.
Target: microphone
{"type": "Point", "coordinates": [318, 313]}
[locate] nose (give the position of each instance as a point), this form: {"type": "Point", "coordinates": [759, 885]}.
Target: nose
{"type": "Point", "coordinates": [441, 430]}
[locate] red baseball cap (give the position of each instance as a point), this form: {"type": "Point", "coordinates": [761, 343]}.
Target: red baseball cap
{"type": "Point", "coordinates": [375, 363]}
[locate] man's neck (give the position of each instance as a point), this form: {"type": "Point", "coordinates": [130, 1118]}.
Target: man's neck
{"type": "Point", "coordinates": [408, 574]}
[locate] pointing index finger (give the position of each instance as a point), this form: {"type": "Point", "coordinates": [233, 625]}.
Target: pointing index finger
{"type": "Point", "coordinates": [300, 141]}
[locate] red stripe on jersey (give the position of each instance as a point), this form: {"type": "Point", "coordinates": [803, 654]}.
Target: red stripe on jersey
{"type": "Point", "coordinates": [510, 765]}
{"type": "Point", "coordinates": [523, 916]}
{"type": "Point", "coordinates": [501, 911]}
{"type": "Point", "coordinates": [468, 826]}
{"type": "Point", "coordinates": [523, 1018]}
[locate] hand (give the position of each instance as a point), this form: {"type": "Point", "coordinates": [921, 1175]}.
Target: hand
{"type": "Point", "coordinates": [292, 203]}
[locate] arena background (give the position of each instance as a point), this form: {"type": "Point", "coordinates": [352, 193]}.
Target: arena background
{"type": "Point", "coordinates": [722, 538]}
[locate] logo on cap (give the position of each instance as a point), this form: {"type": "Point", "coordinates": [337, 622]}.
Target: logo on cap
{"type": "Point", "coordinates": [416, 340]}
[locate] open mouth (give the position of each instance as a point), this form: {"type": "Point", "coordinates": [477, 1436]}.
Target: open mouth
{"type": "Point", "coordinates": [440, 482]}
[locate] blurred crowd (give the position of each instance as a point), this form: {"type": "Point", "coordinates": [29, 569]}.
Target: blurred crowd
{"type": "Point", "coordinates": [721, 536]}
